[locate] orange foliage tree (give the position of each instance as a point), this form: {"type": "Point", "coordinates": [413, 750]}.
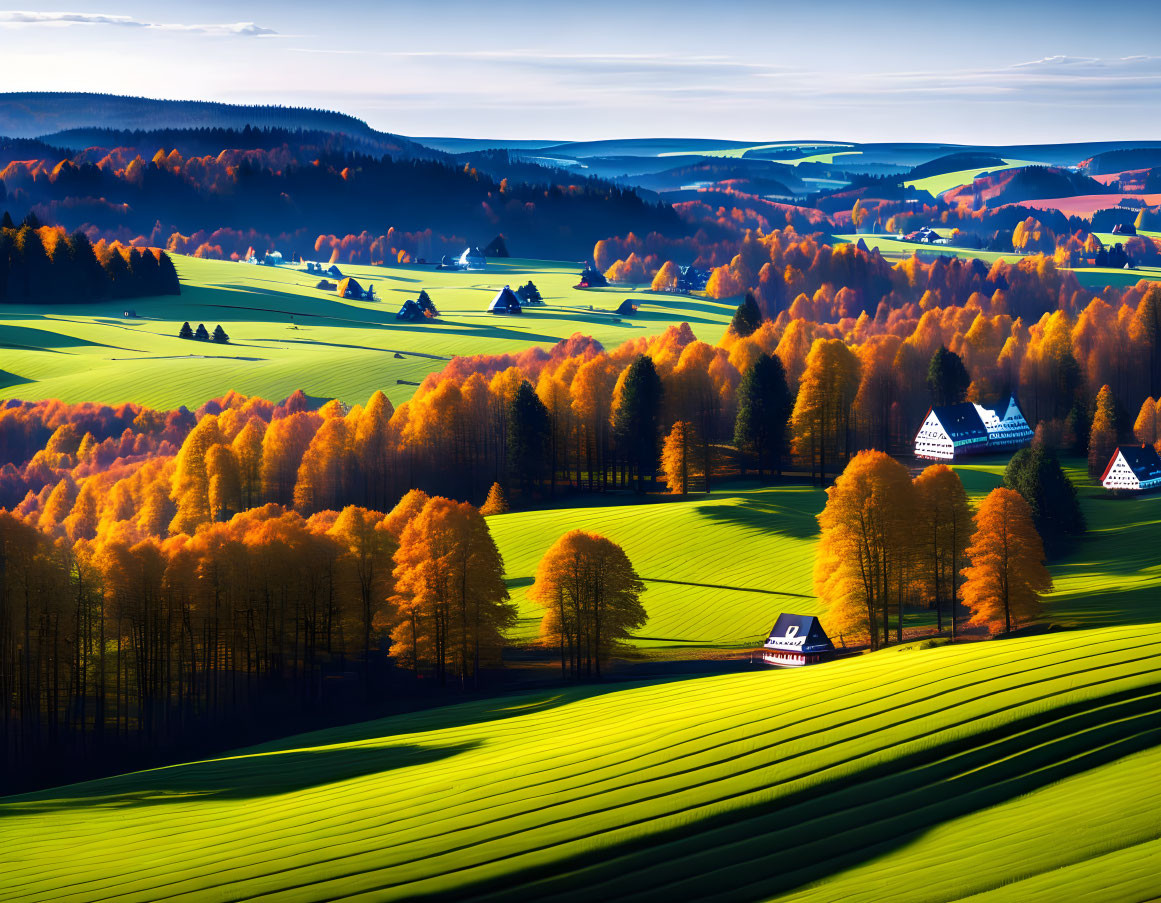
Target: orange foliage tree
{"type": "Point", "coordinates": [1006, 577]}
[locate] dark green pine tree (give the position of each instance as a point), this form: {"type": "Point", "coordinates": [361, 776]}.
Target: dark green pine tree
{"type": "Point", "coordinates": [529, 432]}
{"type": "Point", "coordinates": [220, 335]}
{"type": "Point", "coordinates": [202, 335]}
{"type": "Point", "coordinates": [6, 222]}
{"type": "Point", "coordinates": [637, 419]}
{"type": "Point", "coordinates": [91, 279]}
{"type": "Point", "coordinates": [186, 331]}
{"type": "Point", "coordinates": [748, 316]}
{"type": "Point", "coordinates": [120, 278]}
{"type": "Point", "coordinates": [947, 378]}
{"type": "Point", "coordinates": [1036, 474]}
{"type": "Point", "coordinates": [168, 283]}
{"type": "Point", "coordinates": [764, 408]}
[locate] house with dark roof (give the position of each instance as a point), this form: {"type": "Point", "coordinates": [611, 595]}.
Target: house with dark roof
{"type": "Point", "coordinates": [505, 302]}
{"type": "Point", "coordinates": [1133, 468]}
{"type": "Point", "coordinates": [968, 428]}
{"type": "Point", "coordinates": [796, 640]}
{"type": "Point", "coordinates": [472, 259]}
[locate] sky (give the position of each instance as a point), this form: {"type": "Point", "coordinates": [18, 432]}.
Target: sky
{"type": "Point", "coordinates": [969, 71]}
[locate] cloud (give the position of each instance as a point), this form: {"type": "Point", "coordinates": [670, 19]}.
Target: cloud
{"type": "Point", "coordinates": [26, 18]}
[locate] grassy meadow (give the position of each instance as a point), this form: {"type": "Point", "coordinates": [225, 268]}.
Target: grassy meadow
{"type": "Point", "coordinates": [1018, 770]}
{"type": "Point", "coordinates": [287, 335]}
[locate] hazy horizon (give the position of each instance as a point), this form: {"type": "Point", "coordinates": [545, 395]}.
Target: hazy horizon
{"type": "Point", "coordinates": [983, 72]}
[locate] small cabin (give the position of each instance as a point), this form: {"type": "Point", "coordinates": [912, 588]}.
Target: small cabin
{"type": "Point", "coordinates": [472, 259]}
{"type": "Point", "coordinates": [273, 259]}
{"type": "Point", "coordinates": [505, 302]}
{"type": "Point", "coordinates": [1133, 468]}
{"type": "Point", "coordinates": [130, 314]}
{"type": "Point", "coordinates": [797, 640]}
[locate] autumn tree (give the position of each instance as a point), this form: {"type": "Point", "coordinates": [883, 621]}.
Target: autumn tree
{"type": "Point", "coordinates": [764, 408]}
{"type": "Point", "coordinates": [866, 546]}
{"type": "Point", "coordinates": [1006, 577]}
{"type": "Point", "coordinates": [191, 484]}
{"type": "Point", "coordinates": [368, 548]}
{"type": "Point", "coordinates": [450, 580]}
{"type": "Point", "coordinates": [636, 418]}
{"type": "Point", "coordinates": [822, 409]}
{"type": "Point", "coordinates": [1103, 437]}
{"type": "Point", "coordinates": [495, 503]}
{"type": "Point", "coordinates": [665, 280]}
{"type": "Point", "coordinates": [592, 600]}
{"type": "Point", "coordinates": [947, 378]}
{"type": "Point", "coordinates": [943, 526]}
{"type": "Point", "coordinates": [678, 462]}
{"type": "Point", "coordinates": [1145, 426]}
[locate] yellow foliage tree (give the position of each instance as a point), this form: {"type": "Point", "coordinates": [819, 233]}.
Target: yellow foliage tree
{"type": "Point", "coordinates": [678, 461]}
{"type": "Point", "coordinates": [943, 526]}
{"type": "Point", "coordinates": [866, 546]}
{"type": "Point", "coordinates": [495, 503]}
{"type": "Point", "coordinates": [666, 278]}
{"type": "Point", "coordinates": [592, 600]}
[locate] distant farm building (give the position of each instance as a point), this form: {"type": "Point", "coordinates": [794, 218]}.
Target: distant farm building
{"type": "Point", "coordinates": [797, 640]}
{"type": "Point", "coordinates": [1133, 468]}
{"type": "Point", "coordinates": [691, 279]}
{"type": "Point", "coordinates": [505, 302]}
{"type": "Point", "coordinates": [925, 236]}
{"type": "Point", "coordinates": [350, 288]}
{"type": "Point", "coordinates": [272, 259]}
{"type": "Point", "coordinates": [967, 428]}
{"type": "Point", "coordinates": [1124, 229]}
{"type": "Point", "coordinates": [472, 259]}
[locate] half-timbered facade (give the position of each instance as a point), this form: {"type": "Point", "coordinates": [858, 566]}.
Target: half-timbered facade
{"type": "Point", "coordinates": [1133, 468]}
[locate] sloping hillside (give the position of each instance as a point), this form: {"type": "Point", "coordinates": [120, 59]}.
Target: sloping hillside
{"type": "Point", "coordinates": [1006, 768]}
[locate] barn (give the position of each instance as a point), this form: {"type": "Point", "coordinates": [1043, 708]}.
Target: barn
{"type": "Point", "coordinates": [505, 302]}
{"type": "Point", "coordinates": [472, 259]}
{"type": "Point", "coordinates": [797, 640]}
{"type": "Point", "coordinates": [966, 428]}
{"type": "Point", "coordinates": [1133, 468]}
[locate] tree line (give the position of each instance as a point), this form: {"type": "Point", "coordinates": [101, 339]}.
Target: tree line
{"type": "Point", "coordinates": [889, 542]}
{"type": "Point", "coordinates": [115, 645]}
{"type": "Point", "coordinates": [44, 265]}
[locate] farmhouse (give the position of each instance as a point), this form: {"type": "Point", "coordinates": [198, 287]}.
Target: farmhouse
{"type": "Point", "coordinates": [1133, 468]}
{"type": "Point", "coordinates": [505, 302]}
{"type": "Point", "coordinates": [967, 428]}
{"type": "Point", "coordinates": [797, 640]}
{"type": "Point", "coordinates": [472, 259]}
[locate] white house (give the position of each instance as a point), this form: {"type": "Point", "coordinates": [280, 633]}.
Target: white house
{"type": "Point", "coordinates": [1133, 468]}
{"type": "Point", "coordinates": [966, 428]}
{"type": "Point", "coordinates": [796, 640]}
{"type": "Point", "coordinates": [472, 259]}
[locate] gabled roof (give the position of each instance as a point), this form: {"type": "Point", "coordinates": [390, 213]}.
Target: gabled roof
{"type": "Point", "coordinates": [799, 633]}
{"type": "Point", "coordinates": [1143, 460]}
{"type": "Point", "coordinates": [961, 422]}
{"type": "Point", "coordinates": [505, 302]}
{"type": "Point", "coordinates": [1000, 408]}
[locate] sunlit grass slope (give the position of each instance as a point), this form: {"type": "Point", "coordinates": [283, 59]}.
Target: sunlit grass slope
{"type": "Point", "coordinates": [287, 335]}
{"type": "Point", "coordinates": [717, 569]}
{"type": "Point", "coordinates": [1012, 769]}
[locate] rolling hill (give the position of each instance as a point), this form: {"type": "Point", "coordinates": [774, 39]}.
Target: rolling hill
{"type": "Point", "coordinates": [287, 335]}
{"type": "Point", "coordinates": [1017, 770]}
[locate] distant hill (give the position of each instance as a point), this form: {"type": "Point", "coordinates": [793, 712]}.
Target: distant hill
{"type": "Point", "coordinates": [1120, 160]}
{"type": "Point", "coordinates": [954, 163]}
{"type": "Point", "coordinates": [35, 114]}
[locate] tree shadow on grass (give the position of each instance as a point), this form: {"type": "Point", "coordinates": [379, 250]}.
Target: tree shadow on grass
{"type": "Point", "coordinates": [238, 777]}
{"type": "Point", "coordinates": [770, 512]}
{"type": "Point", "coordinates": [822, 827]}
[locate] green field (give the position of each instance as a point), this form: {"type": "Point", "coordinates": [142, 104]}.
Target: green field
{"type": "Point", "coordinates": [1022, 770]}
{"type": "Point", "coordinates": [938, 184]}
{"type": "Point", "coordinates": [333, 348]}
{"type": "Point", "coordinates": [719, 568]}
